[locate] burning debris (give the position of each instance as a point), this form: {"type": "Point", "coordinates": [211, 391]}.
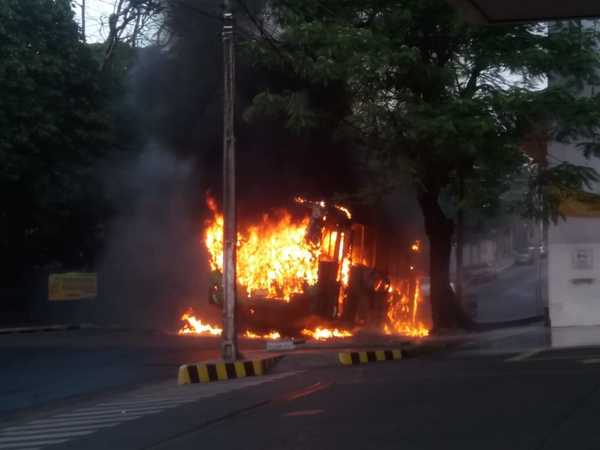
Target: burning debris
{"type": "Point", "coordinates": [321, 334]}
{"type": "Point", "coordinates": [274, 260]}
{"type": "Point", "coordinates": [402, 311]}
{"type": "Point", "coordinates": [311, 274]}
{"type": "Point", "coordinates": [273, 335]}
{"type": "Point", "coordinates": [195, 326]}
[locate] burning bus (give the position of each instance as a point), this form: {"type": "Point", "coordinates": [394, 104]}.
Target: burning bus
{"type": "Point", "coordinates": [314, 276]}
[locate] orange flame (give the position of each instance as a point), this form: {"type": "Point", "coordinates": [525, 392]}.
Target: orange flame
{"type": "Point", "coordinates": [273, 258]}
{"type": "Point", "coordinates": [345, 272]}
{"type": "Point", "coordinates": [322, 334]}
{"type": "Point", "coordinates": [402, 313]}
{"type": "Point", "coordinates": [195, 326]}
{"type": "Point", "coordinates": [345, 210]}
{"type": "Point", "coordinates": [416, 246]}
{"type": "Point", "coordinates": [273, 335]}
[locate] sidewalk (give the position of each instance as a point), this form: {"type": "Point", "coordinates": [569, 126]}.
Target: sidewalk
{"type": "Point", "coordinates": [524, 338]}
{"type": "Point", "coordinates": [504, 263]}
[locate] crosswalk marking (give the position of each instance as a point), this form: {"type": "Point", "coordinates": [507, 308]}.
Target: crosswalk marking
{"type": "Point", "coordinates": [131, 406]}
{"type": "Point", "coordinates": [46, 435]}
{"type": "Point", "coordinates": [35, 431]}
{"type": "Point", "coordinates": [66, 426]}
{"type": "Point", "coordinates": [37, 428]}
{"type": "Point", "coordinates": [117, 411]}
{"type": "Point", "coordinates": [59, 422]}
{"type": "Point", "coordinates": [21, 445]}
{"type": "Point", "coordinates": [525, 355]}
{"type": "Point", "coordinates": [591, 361]}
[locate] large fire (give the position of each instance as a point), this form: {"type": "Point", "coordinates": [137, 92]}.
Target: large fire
{"type": "Point", "coordinates": [274, 259]}
{"type": "Point", "coordinates": [197, 327]}
{"type": "Point", "coordinates": [402, 312]}
{"type": "Point", "coordinates": [279, 258]}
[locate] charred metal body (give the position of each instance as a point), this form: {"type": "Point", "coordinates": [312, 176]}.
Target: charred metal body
{"type": "Point", "coordinates": [358, 299]}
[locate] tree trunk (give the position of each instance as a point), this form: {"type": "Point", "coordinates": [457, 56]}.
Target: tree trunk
{"type": "Point", "coordinates": [460, 228]}
{"type": "Point", "coordinates": [445, 309]}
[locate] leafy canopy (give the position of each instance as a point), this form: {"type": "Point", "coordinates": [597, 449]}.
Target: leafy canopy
{"type": "Point", "coordinates": [432, 94]}
{"type": "Point", "coordinates": [52, 128]}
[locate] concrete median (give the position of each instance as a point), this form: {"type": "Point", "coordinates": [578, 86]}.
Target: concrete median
{"type": "Point", "coordinates": [364, 357]}
{"type": "Point", "coordinates": [220, 371]}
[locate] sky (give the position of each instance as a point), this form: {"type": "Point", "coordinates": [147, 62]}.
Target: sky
{"type": "Point", "coordinates": [96, 18]}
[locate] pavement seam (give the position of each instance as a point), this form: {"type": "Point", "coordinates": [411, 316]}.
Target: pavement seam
{"type": "Point", "coordinates": [525, 355]}
{"type": "Point", "coordinates": [579, 404]}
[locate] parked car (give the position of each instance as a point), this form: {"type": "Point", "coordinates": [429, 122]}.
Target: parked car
{"type": "Point", "coordinates": [543, 252]}
{"type": "Point", "coordinates": [480, 273]}
{"type": "Point", "coordinates": [524, 257]}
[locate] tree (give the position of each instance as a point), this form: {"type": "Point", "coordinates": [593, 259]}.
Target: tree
{"type": "Point", "coordinates": [53, 128]}
{"type": "Point", "coordinates": [438, 97]}
{"type": "Point", "coordinates": [133, 22]}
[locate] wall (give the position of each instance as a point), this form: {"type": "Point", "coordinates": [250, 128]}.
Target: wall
{"type": "Point", "coordinates": [574, 247]}
{"type": "Point", "coordinates": [574, 272]}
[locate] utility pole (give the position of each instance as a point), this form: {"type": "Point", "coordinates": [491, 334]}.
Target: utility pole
{"type": "Point", "coordinates": [229, 344]}
{"type": "Point", "coordinates": [83, 20]}
{"type": "Point", "coordinates": [460, 228]}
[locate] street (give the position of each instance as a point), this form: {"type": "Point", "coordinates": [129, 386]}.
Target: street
{"type": "Point", "coordinates": [510, 297]}
{"type": "Point", "coordinates": [43, 369]}
{"type": "Point", "coordinates": [512, 398]}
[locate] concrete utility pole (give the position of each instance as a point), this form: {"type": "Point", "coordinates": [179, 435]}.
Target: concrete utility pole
{"type": "Point", "coordinates": [83, 20]}
{"type": "Point", "coordinates": [229, 344]}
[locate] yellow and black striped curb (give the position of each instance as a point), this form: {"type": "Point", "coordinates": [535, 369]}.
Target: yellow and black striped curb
{"type": "Point", "coordinates": [353, 358]}
{"type": "Point", "coordinates": [220, 371]}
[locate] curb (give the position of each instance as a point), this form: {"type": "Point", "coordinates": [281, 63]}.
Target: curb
{"type": "Point", "coordinates": [39, 329]}
{"type": "Point", "coordinates": [355, 358]}
{"type": "Point", "coordinates": [487, 326]}
{"type": "Point", "coordinates": [221, 371]}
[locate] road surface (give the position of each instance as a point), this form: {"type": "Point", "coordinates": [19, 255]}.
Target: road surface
{"type": "Point", "coordinates": [41, 369]}
{"type": "Point", "coordinates": [519, 400]}
{"type": "Point", "coordinates": [512, 296]}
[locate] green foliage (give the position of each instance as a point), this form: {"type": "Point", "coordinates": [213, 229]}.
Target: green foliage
{"type": "Point", "coordinates": [550, 187]}
{"type": "Point", "coordinates": [52, 130]}
{"type": "Point", "coordinates": [448, 102]}
{"type": "Point", "coordinates": [435, 94]}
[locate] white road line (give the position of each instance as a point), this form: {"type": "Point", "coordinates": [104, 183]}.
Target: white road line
{"type": "Point", "coordinates": [29, 444]}
{"type": "Point", "coordinates": [591, 361]}
{"type": "Point", "coordinates": [58, 422]}
{"type": "Point", "coordinates": [33, 430]}
{"type": "Point", "coordinates": [47, 435]}
{"type": "Point", "coordinates": [59, 428]}
{"type": "Point", "coordinates": [169, 397]}
{"type": "Point", "coordinates": [134, 402]}
{"type": "Point", "coordinates": [31, 448]}
{"type": "Point", "coordinates": [525, 355]}
{"type": "Point", "coordinates": [133, 405]}
{"type": "Point", "coordinates": [92, 412]}
{"type": "Point", "coordinates": [42, 428]}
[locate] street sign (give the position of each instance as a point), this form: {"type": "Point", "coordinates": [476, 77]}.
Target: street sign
{"type": "Point", "coordinates": [72, 286]}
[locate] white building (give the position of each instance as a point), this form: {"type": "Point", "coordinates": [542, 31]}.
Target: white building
{"type": "Point", "coordinates": [574, 255]}
{"type": "Point", "coordinates": [574, 247]}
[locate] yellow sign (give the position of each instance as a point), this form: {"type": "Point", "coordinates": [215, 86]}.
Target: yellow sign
{"type": "Point", "coordinates": [72, 286]}
{"type": "Point", "coordinates": [582, 205]}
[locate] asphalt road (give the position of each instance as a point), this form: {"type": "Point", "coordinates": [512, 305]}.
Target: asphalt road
{"type": "Point", "coordinates": [512, 296]}
{"type": "Point", "coordinates": [549, 400]}
{"type": "Point", "coordinates": [46, 369]}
